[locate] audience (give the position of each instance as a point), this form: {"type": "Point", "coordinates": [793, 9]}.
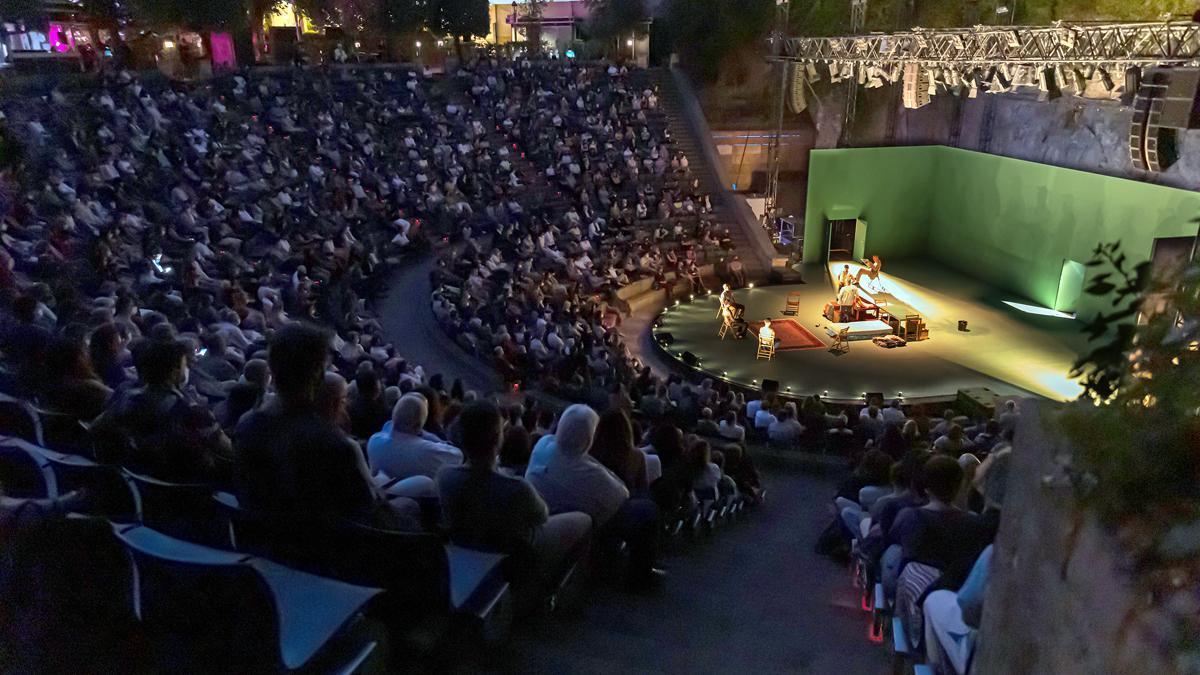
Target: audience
{"type": "Point", "coordinates": [485, 509]}
{"type": "Point", "coordinates": [404, 449]}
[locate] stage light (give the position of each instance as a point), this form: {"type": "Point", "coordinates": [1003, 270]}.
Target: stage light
{"type": "Point", "coordinates": [692, 296]}
{"type": "Point", "coordinates": [676, 303]}
{"type": "Point", "coordinates": [788, 388]}
{"type": "Point", "coordinates": [724, 372]}
{"type": "Point", "coordinates": [751, 284]}
{"type": "Point", "coordinates": [825, 394]}
{"type": "Point", "coordinates": [754, 381]}
{"type": "Point", "coordinates": [1107, 81]}
{"type": "Point", "coordinates": [899, 394]}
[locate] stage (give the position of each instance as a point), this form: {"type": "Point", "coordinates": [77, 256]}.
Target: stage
{"type": "Point", "coordinates": [1009, 351]}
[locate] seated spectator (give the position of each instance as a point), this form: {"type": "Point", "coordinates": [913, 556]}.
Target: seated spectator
{"type": "Point", "coordinates": [291, 460]}
{"type": "Point", "coordinates": [515, 450]}
{"type": "Point", "coordinates": [488, 510]}
{"type": "Point", "coordinates": [245, 395]}
{"type": "Point", "coordinates": [69, 385]}
{"type": "Point", "coordinates": [954, 443]}
{"type": "Point", "coordinates": [405, 450]}
{"type": "Point", "coordinates": [366, 409]}
{"type": "Point", "coordinates": [785, 431]}
{"type": "Point", "coordinates": [893, 415]}
{"type": "Point", "coordinates": [158, 429]}
{"type": "Point", "coordinates": [706, 425]}
{"type": "Point", "coordinates": [613, 447]}
{"type": "Point", "coordinates": [571, 480]}
{"type": "Point", "coordinates": [730, 430]}
{"type": "Point", "coordinates": [706, 475]}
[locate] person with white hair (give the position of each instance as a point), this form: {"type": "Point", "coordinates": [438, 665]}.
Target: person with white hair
{"type": "Point", "coordinates": [570, 479]}
{"type": "Point", "coordinates": [403, 449]}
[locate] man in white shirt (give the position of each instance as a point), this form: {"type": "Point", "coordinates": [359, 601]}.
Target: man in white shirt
{"type": "Point", "coordinates": [766, 332]}
{"type": "Point", "coordinates": [404, 450]}
{"type": "Point", "coordinates": [893, 415]}
{"type": "Point", "coordinates": [786, 430]}
{"type": "Point", "coordinates": [569, 479]}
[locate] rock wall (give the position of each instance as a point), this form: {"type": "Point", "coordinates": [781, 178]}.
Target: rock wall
{"type": "Point", "coordinates": [1059, 599]}
{"type": "Point", "coordinates": [1073, 132]}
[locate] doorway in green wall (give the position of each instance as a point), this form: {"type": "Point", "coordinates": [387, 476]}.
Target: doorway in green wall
{"type": "Point", "coordinates": [1070, 286]}
{"type": "Point", "coordinates": [847, 240]}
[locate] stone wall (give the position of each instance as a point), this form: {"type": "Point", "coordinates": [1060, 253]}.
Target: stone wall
{"type": "Point", "coordinates": [1073, 132]}
{"type": "Point", "coordinates": [1059, 600]}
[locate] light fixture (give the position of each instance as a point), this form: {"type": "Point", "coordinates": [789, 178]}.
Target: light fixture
{"type": "Point", "coordinates": [750, 285]}
{"type": "Point", "coordinates": [629, 42]}
{"type": "Point", "coordinates": [825, 394]}
{"type": "Point", "coordinates": [168, 44]}
{"type": "Point", "coordinates": [441, 43]}
{"type": "Point", "coordinates": [676, 303]}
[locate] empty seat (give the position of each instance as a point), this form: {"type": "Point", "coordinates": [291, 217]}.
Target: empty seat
{"type": "Point", "coordinates": [183, 510]}
{"type": "Point", "coordinates": [110, 493]}
{"type": "Point", "coordinates": [235, 612]}
{"type": "Point", "coordinates": [421, 574]}
{"type": "Point", "coordinates": [18, 418]}
{"type": "Point", "coordinates": [25, 472]}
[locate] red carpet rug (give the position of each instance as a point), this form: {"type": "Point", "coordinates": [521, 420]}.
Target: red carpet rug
{"type": "Point", "coordinates": [791, 335]}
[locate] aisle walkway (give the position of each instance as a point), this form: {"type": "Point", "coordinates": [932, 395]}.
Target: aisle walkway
{"type": "Point", "coordinates": [408, 323]}
{"type": "Point", "coordinates": [754, 599]}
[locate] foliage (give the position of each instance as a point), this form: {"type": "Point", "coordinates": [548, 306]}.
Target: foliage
{"type": "Point", "coordinates": [225, 14]}
{"type": "Point", "coordinates": [612, 18]}
{"type": "Point", "coordinates": [460, 18]}
{"type": "Point", "coordinates": [104, 11]}
{"type": "Point", "coordinates": [401, 16]}
{"type": "Point", "coordinates": [352, 15]}
{"type": "Point", "coordinates": [1137, 457]}
{"type": "Point", "coordinates": [727, 27]}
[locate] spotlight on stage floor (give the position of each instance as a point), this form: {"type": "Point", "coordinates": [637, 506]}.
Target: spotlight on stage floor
{"type": "Point", "coordinates": [1041, 311]}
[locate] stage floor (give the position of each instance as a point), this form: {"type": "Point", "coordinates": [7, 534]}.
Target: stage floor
{"type": "Point", "coordinates": [1009, 351]}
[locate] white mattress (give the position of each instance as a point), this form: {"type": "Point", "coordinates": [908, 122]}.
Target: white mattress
{"type": "Point", "coordinates": [860, 330]}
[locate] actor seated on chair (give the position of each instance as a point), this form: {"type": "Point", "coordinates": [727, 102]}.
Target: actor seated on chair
{"type": "Point", "coordinates": [731, 314]}
{"type": "Point", "coordinates": [845, 300]}
{"type": "Point", "coordinates": [766, 333]}
{"type": "Point", "coordinates": [844, 278]}
{"type": "Point", "coordinates": [724, 299]}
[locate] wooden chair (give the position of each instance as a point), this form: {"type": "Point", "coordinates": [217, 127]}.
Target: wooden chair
{"type": "Point", "coordinates": [841, 341]}
{"type": "Point", "coordinates": [793, 303]}
{"type": "Point", "coordinates": [726, 324]}
{"type": "Point", "coordinates": [766, 349]}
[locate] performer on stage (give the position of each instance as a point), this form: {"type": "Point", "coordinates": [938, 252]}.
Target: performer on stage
{"type": "Point", "coordinates": [766, 332]}
{"type": "Point", "coordinates": [845, 301]}
{"type": "Point", "coordinates": [724, 298]}
{"type": "Point", "coordinates": [845, 278]}
{"type": "Point", "coordinates": [871, 270]}
{"type": "Point", "coordinates": [731, 313]}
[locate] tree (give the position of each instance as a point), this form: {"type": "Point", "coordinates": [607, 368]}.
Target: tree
{"type": "Point", "coordinates": [610, 19]}
{"type": "Point", "coordinates": [728, 27]}
{"type": "Point", "coordinates": [194, 14]}
{"type": "Point", "coordinates": [460, 18]}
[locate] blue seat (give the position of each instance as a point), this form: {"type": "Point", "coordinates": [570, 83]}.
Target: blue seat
{"type": "Point", "coordinates": [19, 419]}
{"type": "Point", "coordinates": [282, 618]}
{"type": "Point", "coordinates": [421, 574]}
{"type": "Point", "coordinates": [24, 471]}
{"type": "Point", "coordinates": [111, 494]}
{"type": "Point", "coordinates": [182, 510]}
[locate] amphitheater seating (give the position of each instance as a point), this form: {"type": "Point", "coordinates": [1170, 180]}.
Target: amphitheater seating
{"type": "Point", "coordinates": [421, 575]}
{"type": "Point", "coordinates": [25, 472]}
{"type": "Point", "coordinates": [227, 609]}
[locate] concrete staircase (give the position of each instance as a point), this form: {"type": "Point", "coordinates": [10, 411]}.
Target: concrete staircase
{"type": "Point", "coordinates": [670, 113]}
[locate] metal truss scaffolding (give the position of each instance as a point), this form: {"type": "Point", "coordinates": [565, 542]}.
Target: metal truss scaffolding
{"type": "Point", "coordinates": [1068, 45]}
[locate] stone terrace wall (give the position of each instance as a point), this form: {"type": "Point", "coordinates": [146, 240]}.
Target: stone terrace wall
{"type": "Point", "coordinates": [1050, 607]}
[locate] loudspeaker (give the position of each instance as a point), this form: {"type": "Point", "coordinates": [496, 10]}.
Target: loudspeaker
{"type": "Point", "coordinates": [1179, 110]}
{"type": "Point", "coordinates": [770, 386]}
{"type": "Point", "coordinates": [1133, 80]}
{"type": "Point", "coordinates": [962, 326]}
{"type": "Point", "coordinates": [690, 359]}
{"type": "Point", "coordinates": [665, 339]}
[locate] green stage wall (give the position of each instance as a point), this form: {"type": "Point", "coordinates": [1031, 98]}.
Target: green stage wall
{"type": "Point", "coordinates": [888, 189]}
{"type": "Point", "coordinates": [1007, 222]}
